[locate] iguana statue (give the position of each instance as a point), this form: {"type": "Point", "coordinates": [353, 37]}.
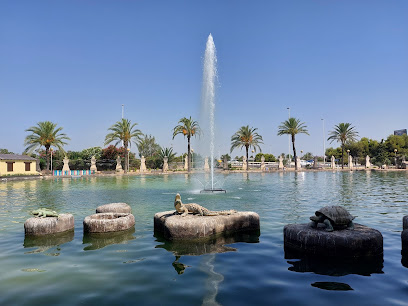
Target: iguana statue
{"type": "Point", "coordinates": [44, 212]}
{"type": "Point", "coordinates": [194, 208]}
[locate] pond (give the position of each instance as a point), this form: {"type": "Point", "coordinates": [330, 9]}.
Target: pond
{"type": "Point", "coordinates": [136, 267]}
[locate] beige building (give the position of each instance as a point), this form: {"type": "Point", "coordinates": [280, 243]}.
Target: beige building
{"type": "Point", "coordinates": [12, 164]}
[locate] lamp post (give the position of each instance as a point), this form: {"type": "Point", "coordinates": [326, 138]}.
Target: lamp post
{"type": "Point", "coordinates": [395, 151]}
{"type": "Point", "coordinates": [348, 157]}
{"type": "Point", "coordinates": [324, 145]}
{"type": "Point", "coordinates": [51, 161]}
{"type": "Point", "coordinates": [288, 108]}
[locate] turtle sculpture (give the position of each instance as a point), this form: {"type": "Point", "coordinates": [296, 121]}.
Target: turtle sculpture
{"type": "Point", "coordinates": [334, 217]}
{"type": "Point", "coordinates": [44, 212]}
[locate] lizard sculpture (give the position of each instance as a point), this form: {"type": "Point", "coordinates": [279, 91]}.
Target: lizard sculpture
{"type": "Point", "coordinates": [44, 212]}
{"type": "Point", "coordinates": [194, 208]}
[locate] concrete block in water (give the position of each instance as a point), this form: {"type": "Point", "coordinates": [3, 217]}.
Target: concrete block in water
{"type": "Point", "coordinates": [108, 222]}
{"type": "Point", "coordinates": [360, 242]}
{"type": "Point", "coordinates": [173, 226]}
{"type": "Point", "coordinates": [114, 208]}
{"type": "Point", "coordinates": [49, 225]}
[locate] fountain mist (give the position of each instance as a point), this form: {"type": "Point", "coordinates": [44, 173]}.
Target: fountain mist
{"type": "Point", "coordinates": [208, 102]}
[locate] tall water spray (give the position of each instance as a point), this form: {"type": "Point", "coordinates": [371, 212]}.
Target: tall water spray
{"type": "Point", "coordinates": [208, 101]}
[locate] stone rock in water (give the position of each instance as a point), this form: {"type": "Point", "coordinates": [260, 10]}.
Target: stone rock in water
{"type": "Point", "coordinates": [114, 208]}
{"type": "Point", "coordinates": [49, 225]}
{"type": "Point", "coordinates": [194, 226]}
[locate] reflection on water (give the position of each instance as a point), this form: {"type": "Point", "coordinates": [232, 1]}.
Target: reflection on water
{"type": "Point", "coordinates": [46, 242]}
{"type": "Point", "coordinates": [101, 240]}
{"type": "Point", "coordinates": [332, 286]}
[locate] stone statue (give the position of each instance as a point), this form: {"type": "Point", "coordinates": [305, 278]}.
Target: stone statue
{"type": "Point", "coordinates": [186, 163]}
{"type": "Point", "coordinates": [350, 162]}
{"type": "Point", "coordinates": [206, 166]}
{"type": "Point", "coordinates": [280, 162]}
{"type": "Point", "coordinates": [196, 209]}
{"type": "Point", "coordinates": [225, 163]}
{"type": "Point", "coordinates": [37, 165]}
{"type": "Point", "coordinates": [298, 161]}
{"type": "Point", "coordinates": [262, 163]}
{"type": "Point", "coordinates": [367, 164]}
{"type": "Point", "coordinates": [333, 162]}
{"type": "Point", "coordinates": [165, 164]}
{"type": "Point", "coordinates": [244, 163]}
{"type": "Point", "coordinates": [93, 164]}
{"type": "Point", "coordinates": [118, 164]}
{"type": "Point", "coordinates": [44, 212]}
{"type": "Point", "coordinates": [333, 217]}
{"type": "Point", "coordinates": [315, 165]}
{"type": "Point", "coordinates": [142, 164]}
{"type": "Point", "coordinates": [66, 165]}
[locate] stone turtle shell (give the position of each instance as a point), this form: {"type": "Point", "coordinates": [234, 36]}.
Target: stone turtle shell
{"type": "Point", "coordinates": [338, 214]}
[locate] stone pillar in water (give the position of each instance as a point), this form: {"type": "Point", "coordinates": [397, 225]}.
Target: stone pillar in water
{"type": "Point", "coordinates": [206, 166]}
{"type": "Point", "coordinates": [93, 164]}
{"type": "Point", "coordinates": [367, 164]}
{"type": "Point", "coordinates": [280, 162]}
{"type": "Point", "coordinates": [118, 164]}
{"type": "Point", "coordinates": [350, 162]}
{"type": "Point", "coordinates": [65, 168]}
{"type": "Point", "coordinates": [142, 164]}
{"type": "Point", "coordinates": [333, 164]}
{"type": "Point", "coordinates": [244, 163]}
{"type": "Point", "coordinates": [165, 164]}
{"type": "Point", "coordinates": [225, 163]}
{"type": "Point", "coordinates": [262, 163]}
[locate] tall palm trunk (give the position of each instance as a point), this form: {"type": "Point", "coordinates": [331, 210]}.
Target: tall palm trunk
{"type": "Point", "coordinates": [125, 144]}
{"type": "Point", "coordinates": [247, 163]}
{"type": "Point", "coordinates": [294, 152]}
{"type": "Point", "coordinates": [342, 156]}
{"type": "Point", "coordinates": [47, 151]}
{"type": "Point", "coordinates": [188, 155]}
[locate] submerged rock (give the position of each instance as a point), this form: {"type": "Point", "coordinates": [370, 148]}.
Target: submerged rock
{"type": "Point", "coordinates": [49, 225]}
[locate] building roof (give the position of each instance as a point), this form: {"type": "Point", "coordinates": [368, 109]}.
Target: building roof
{"type": "Point", "coordinates": [16, 157]}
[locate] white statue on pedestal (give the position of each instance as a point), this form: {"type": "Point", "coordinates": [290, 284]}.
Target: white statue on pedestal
{"type": "Point", "coordinates": [333, 162]}
{"type": "Point", "coordinates": [244, 163]}
{"type": "Point", "coordinates": [350, 162]}
{"type": "Point", "coordinates": [118, 164]}
{"type": "Point", "coordinates": [262, 163]}
{"type": "Point", "coordinates": [65, 168]}
{"type": "Point", "coordinates": [367, 164]}
{"type": "Point", "coordinates": [93, 164]}
{"type": "Point", "coordinates": [206, 166]}
{"type": "Point", "coordinates": [142, 164]}
{"type": "Point", "coordinates": [280, 162]}
{"type": "Point", "coordinates": [165, 164]}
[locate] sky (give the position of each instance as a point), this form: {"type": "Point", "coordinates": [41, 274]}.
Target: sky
{"type": "Point", "coordinates": [76, 62]}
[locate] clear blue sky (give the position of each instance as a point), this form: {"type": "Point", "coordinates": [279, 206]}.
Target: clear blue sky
{"type": "Point", "coordinates": [76, 62]}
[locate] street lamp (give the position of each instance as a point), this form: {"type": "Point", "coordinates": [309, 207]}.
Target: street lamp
{"type": "Point", "coordinates": [324, 145]}
{"type": "Point", "coordinates": [348, 156]}
{"type": "Point", "coordinates": [288, 108]}
{"type": "Point", "coordinates": [395, 150]}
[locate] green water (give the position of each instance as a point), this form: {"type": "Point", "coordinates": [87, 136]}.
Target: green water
{"type": "Point", "coordinates": [138, 268]}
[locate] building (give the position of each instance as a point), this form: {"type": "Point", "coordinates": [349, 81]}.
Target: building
{"type": "Point", "coordinates": [12, 164]}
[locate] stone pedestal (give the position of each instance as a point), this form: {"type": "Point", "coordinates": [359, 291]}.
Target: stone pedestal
{"type": "Point", "coordinates": [108, 222]}
{"type": "Point", "coordinates": [65, 168]}
{"type": "Point", "coordinates": [142, 164]}
{"type": "Point", "coordinates": [280, 167]}
{"type": "Point", "coordinates": [360, 242]}
{"type": "Point", "coordinates": [173, 226]}
{"type": "Point", "coordinates": [114, 208]}
{"type": "Point", "coordinates": [93, 164]}
{"type": "Point", "coordinates": [118, 165]}
{"type": "Point", "coordinates": [206, 166]}
{"type": "Point", "coordinates": [165, 164]}
{"type": "Point", "coordinates": [262, 163]}
{"type": "Point", "coordinates": [333, 162]}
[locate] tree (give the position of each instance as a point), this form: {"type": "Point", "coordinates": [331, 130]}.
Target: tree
{"type": "Point", "coordinates": [46, 134]}
{"type": "Point", "coordinates": [246, 137]}
{"type": "Point", "coordinates": [344, 133]}
{"type": "Point", "coordinates": [167, 152]}
{"type": "Point", "coordinates": [147, 146]}
{"type": "Point", "coordinates": [292, 127]}
{"type": "Point", "coordinates": [5, 151]}
{"type": "Point", "coordinates": [188, 127]}
{"type": "Point", "coordinates": [124, 131]}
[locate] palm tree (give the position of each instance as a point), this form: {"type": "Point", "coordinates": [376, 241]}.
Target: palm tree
{"type": "Point", "coordinates": [123, 131]}
{"type": "Point", "coordinates": [147, 146]}
{"type": "Point", "coordinates": [292, 126]}
{"type": "Point", "coordinates": [45, 134]}
{"type": "Point", "coordinates": [246, 137]}
{"type": "Point", "coordinates": [344, 133]}
{"type": "Point", "coordinates": [188, 127]}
